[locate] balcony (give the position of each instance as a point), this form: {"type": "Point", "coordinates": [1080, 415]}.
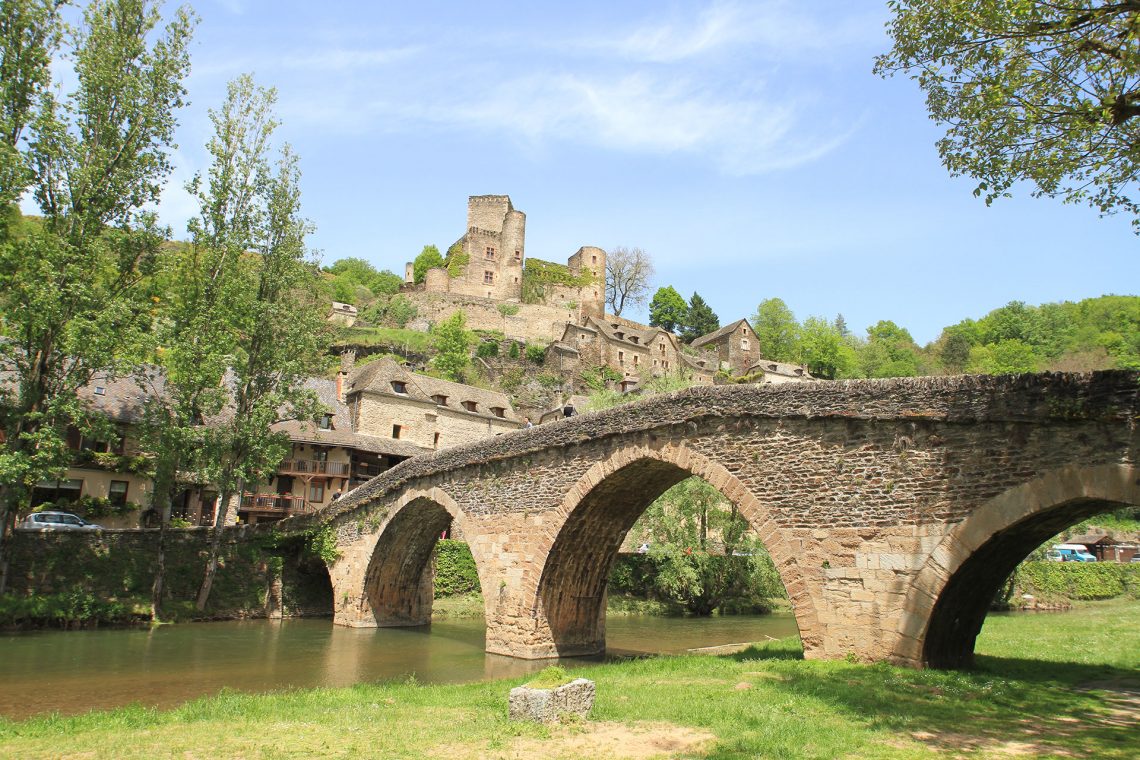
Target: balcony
{"type": "Point", "coordinates": [275, 502]}
{"type": "Point", "coordinates": [313, 467]}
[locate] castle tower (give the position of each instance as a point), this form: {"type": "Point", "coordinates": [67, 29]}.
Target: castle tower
{"type": "Point", "coordinates": [495, 248]}
{"type": "Point", "coordinates": [593, 296]}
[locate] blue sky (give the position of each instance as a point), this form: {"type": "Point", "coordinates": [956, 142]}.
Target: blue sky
{"type": "Point", "coordinates": [745, 145]}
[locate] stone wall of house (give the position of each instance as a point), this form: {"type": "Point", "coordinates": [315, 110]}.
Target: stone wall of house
{"type": "Point", "coordinates": [424, 424]}
{"type": "Point", "coordinates": [855, 487]}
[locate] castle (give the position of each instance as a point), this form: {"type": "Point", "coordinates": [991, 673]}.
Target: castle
{"type": "Point", "coordinates": [488, 262]}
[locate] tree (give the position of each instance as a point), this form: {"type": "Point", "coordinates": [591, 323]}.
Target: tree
{"type": "Point", "coordinates": [955, 351]}
{"type": "Point", "coordinates": [777, 330]}
{"type": "Point", "coordinates": [700, 319]}
{"type": "Point", "coordinates": [1005, 357]}
{"type": "Point", "coordinates": [1029, 90]}
{"type": "Point", "coordinates": [841, 326]}
{"type": "Point", "coordinates": [628, 272]}
{"type": "Point", "coordinates": [271, 317]}
{"type": "Point", "coordinates": [667, 310]}
{"type": "Point", "coordinates": [453, 341]}
{"type": "Point", "coordinates": [429, 258]}
{"type": "Point", "coordinates": [74, 285]}
{"type": "Point", "coordinates": [824, 351]}
{"type": "Point", "coordinates": [890, 351]}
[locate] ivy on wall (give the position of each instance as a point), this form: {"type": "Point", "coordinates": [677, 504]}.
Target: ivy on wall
{"type": "Point", "coordinates": [537, 274]}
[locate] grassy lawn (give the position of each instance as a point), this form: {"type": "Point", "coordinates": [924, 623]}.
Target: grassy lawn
{"type": "Point", "coordinates": [1047, 685]}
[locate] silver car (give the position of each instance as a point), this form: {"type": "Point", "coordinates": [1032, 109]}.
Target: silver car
{"type": "Point", "coordinates": [56, 521]}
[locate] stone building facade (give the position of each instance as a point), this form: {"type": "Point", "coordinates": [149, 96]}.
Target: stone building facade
{"type": "Point", "coordinates": [736, 346]}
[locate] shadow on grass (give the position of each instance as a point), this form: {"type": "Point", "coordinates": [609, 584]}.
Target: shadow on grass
{"type": "Point", "coordinates": [1039, 706]}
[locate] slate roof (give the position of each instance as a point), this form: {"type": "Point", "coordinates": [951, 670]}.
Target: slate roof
{"type": "Point", "coordinates": [718, 334]}
{"type": "Point", "coordinates": [377, 377]}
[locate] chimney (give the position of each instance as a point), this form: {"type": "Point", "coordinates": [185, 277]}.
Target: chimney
{"type": "Point", "coordinates": [347, 360]}
{"type": "Point", "coordinates": [340, 387]}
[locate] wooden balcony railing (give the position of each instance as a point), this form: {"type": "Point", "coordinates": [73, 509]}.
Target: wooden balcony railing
{"type": "Point", "coordinates": [313, 467]}
{"type": "Point", "coordinates": [275, 502]}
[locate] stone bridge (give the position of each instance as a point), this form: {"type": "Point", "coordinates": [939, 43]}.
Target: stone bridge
{"type": "Point", "coordinates": [893, 509]}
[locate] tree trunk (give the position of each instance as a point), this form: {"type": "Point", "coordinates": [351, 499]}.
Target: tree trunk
{"type": "Point", "coordinates": [215, 545]}
{"type": "Point", "coordinates": [5, 537]}
{"type": "Point", "coordinates": [160, 502]}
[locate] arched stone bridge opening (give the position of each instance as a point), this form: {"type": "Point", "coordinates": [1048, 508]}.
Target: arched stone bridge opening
{"type": "Point", "coordinates": [893, 510]}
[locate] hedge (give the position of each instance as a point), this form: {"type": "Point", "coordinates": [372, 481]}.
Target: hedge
{"type": "Point", "coordinates": [1079, 580]}
{"type": "Point", "coordinates": [454, 569]}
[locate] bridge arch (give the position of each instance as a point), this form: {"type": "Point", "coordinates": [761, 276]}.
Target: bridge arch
{"type": "Point", "coordinates": [596, 514]}
{"type": "Point", "coordinates": [947, 603]}
{"type": "Point", "coordinates": [387, 578]}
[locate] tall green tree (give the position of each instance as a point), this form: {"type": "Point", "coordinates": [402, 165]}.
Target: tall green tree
{"type": "Point", "coordinates": [428, 258]}
{"type": "Point", "coordinates": [273, 318]}
{"type": "Point", "coordinates": [777, 330]}
{"type": "Point", "coordinates": [700, 319]}
{"type": "Point", "coordinates": [890, 351]}
{"type": "Point", "coordinates": [1029, 90]}
{"type": "Point", "coordinates": [452, 341]}
{"type": "Point", "coordinates": [667, 310]}
{"type": "Point", "coordinates": [824, 350]}
{"type": "Point", "coordinates": [74, 293]}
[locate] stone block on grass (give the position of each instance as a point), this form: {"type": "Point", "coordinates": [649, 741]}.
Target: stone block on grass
{"type": "Point", "coordinates": [550, 705]}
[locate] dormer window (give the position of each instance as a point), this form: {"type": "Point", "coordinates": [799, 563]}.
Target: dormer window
{"type": "Point", "coordinates": [439, 399]}
{"type": "Point", "coordinates": [498, 411]}
{"type": "Point", "coordinates": [326, 422]}
{"type": "Point", "coordinates": [471, 406]}
{"type": "Point", "coordinates": [619, 335]}
{"type": "Point", "coordinates": [634, 339]}
{"type": "Point", "coordinates": [399, 386]}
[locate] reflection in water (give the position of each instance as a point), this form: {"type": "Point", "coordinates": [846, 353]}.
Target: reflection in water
{"type": "Point", "coordinates": [71, 672]}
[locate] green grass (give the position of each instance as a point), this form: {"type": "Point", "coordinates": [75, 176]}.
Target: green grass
{"type": "Point", "coordinates": [384, 336]}
{"type": "Point", "coordinates": [1046, 685]}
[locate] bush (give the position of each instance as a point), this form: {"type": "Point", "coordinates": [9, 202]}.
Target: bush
{"type": "Point", "coordinates": [1078, 580]}
{"type": "Point", "coordinates": [536, 354]}
{"type": "Point", "coordinates": [454, 569]}
{"type": "Point", "coordinates": [75, 608]}
{"type": "Point", "coordinates": [508, 309]}
{"type": "Point", "coordinates": [513, 351]}
{"type": "Point", "coordinates": [487, 349]}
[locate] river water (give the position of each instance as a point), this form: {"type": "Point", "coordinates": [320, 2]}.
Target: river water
{"type": "Point", "coordinates": [73, 672]}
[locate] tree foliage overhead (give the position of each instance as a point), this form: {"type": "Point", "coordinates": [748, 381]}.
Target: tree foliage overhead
{"type": "Point", "coordinates": [628, 274]}
{"type": "Point", "coordinates": [1029, 90]}
{"type": "Point", "coordinates": [428, 258]}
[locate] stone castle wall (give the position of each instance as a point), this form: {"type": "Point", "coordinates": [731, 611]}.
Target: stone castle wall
{"type": "Point", "coordinates": [534, 323]}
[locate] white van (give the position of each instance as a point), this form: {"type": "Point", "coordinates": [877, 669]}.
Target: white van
{"type": "Point", "coordinates": [1070, 553]}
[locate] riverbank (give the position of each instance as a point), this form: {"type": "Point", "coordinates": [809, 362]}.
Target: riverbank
{"type": "Point", "coordinates": [1064, 684]}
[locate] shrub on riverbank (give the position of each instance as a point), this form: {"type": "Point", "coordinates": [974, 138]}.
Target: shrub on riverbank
{"type": "Point", "coordinates": [75, 609]}
{"type": "Point", "coordinates": [455, 572]}
{"type": "Point", "coordinates": [1078, 580]}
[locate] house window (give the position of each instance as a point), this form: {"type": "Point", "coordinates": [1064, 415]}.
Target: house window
{"type": "Point", "coordinates": [326, 422]}
{"type": "Point", "coordinates": [396, 430]}
{"type": "Point", "coordinates": [58, 492]}
{"type": "Point", "coordinates": [471, 406]}
{"type": "Point", "coordinates": [439, 399]}
{"type": "Point", "coordinates": [400, 387]}
{"type": "Point", "coordinates": [490, 252]}
{"type": "Point", "coordinates": [621, 357]}
{"type": "Point", "coordinates": [320, 455]}
{"type": "Point", "coordinates": [498, 411]}
{"type": "Point", "coordinates": [636, 360]}
{"type": "Point", "coordinates": [317, 491]}
{"type": "Point", "coordinates": [117, 493]}
{"type": "Point", "coordinates": [435, 441]}
{"type": "Point", "coordinates": [744, 344]}
{"type": "Point", "coordinates": [662, 347]}
{"type": "Point", "coordinates": [488, 278]}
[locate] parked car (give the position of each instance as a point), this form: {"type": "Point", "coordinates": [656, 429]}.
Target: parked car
{"type": "Point", "coordinates": [56, 521]}
{"type": "Point", "coordinates": [1070, 553]}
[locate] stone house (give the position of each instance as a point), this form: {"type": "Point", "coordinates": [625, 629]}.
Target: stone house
{"type": "Point", "coordinates": [343, 314]}
{"type": "Point", "coordinates": [635, 351]}
{"type": "Point", "coordinates": [736, 347]}
{"type": "Point", "coordinates": [773, 373]}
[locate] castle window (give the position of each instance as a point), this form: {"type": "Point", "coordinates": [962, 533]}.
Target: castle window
{"type": "Point", "coordinates": [471, 406]}
{"type": "Point", "coordinates": [439, 399]}
{"type": "Point", "coordinates": [518, 255]}
{"type": "Point", "coordinates": [396, 430]}
{"type": "Point", "coordinates": [490, 252]}
{"type": "Point", "coordinates": [488, 277]}
{"type": "Point", "coordinates": [636, 360]}
{"type": "Point", "coordinates": [435, 441]}
{"type": "Point", "coordinates": [621, 357]}
{"type": "Point", "coordinates": [398, 386]}
{"type": "Point", "coordinates": [593, 259]}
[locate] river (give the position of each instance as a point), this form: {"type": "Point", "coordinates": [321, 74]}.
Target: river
{"type": "Point", "coordinates": [73, 672]}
